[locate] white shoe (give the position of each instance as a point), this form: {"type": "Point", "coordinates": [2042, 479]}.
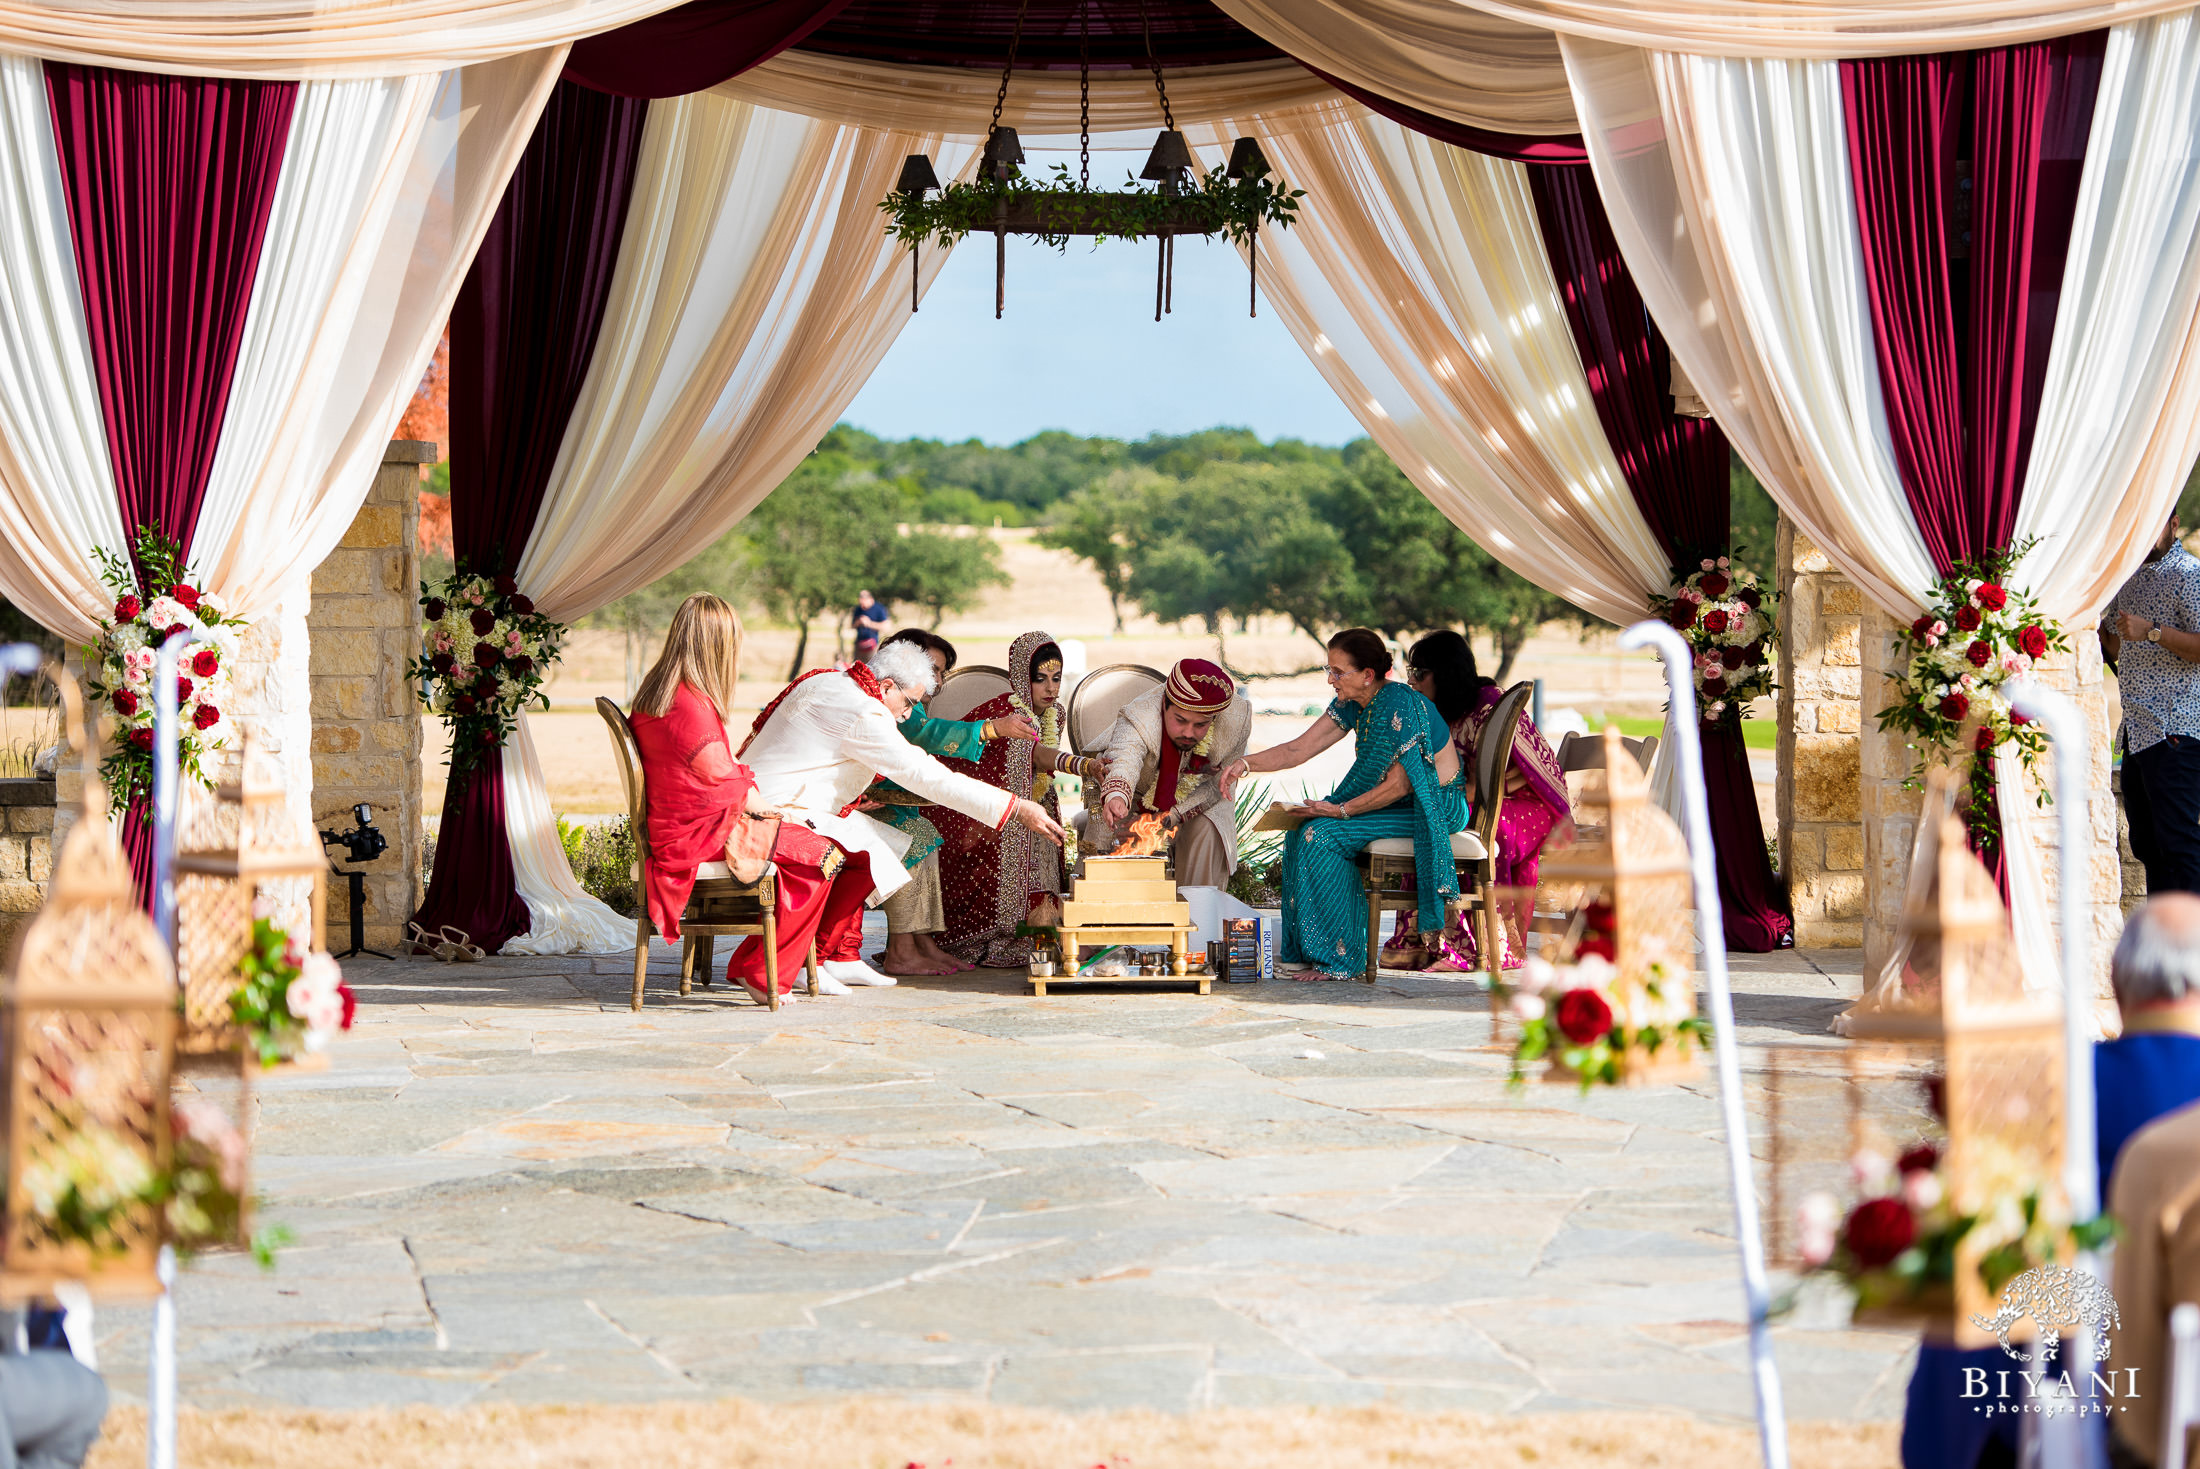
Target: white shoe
{"type": "Point", "coordinates": [853, 971]}
{"type": "Point", "coordinates": [827, 985]}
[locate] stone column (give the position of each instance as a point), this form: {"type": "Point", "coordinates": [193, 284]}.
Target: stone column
{"type": "Point", "coordinates": [1821, 836]}
{"type": "Point", "coordinates": [26, 853]}
{"type": "Point", "coordinates": [1890, 812]}
{"type": "Point", "coordinates": [366, 725]}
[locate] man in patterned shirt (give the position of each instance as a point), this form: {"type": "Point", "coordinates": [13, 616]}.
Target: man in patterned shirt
{"type": "Point", "coordinates": [2152, 639]}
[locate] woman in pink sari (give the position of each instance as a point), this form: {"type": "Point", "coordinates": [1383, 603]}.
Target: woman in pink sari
{"type": "Point", "coordinates": [1536, 807]}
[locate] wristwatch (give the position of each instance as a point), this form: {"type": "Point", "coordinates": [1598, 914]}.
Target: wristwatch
{"type": "Point", "coordinates": [2154, 634]}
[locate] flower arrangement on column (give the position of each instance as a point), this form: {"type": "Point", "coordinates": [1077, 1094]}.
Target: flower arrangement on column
{"type": "Point", "coordinates": [1978, 634]}
{"type": "Point", "coordinates": [485, 653]}
{"type": "Point", "coordinates": [118, 666]}
{"type": "Point", "coordinates": [1731, 624]}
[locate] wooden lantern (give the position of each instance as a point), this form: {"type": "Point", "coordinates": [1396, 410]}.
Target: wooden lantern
{"type": "Point", "coordinates": [1961, 1013]}
{"type": "Point", "coordinates": [87, 1030]}
{"type": "Point", "coordinates": [1630, 883]}
{"type": "Point", "coordinates": [236, 846]}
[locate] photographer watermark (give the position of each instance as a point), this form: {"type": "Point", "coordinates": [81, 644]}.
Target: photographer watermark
{"type": "Point", "coordinates": [2061, 1301]}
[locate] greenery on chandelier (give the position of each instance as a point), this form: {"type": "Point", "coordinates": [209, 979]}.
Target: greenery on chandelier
{"type": "Point", "coordinates": [1053, 209]}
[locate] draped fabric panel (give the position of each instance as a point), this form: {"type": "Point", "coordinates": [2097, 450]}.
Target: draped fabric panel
{"type": "Point", "coordinates": [1518, 147]}
{"type": "Point", "coordinates": [298, 39]}
{"type": "Point", "coordinates": [1433, 58]}
{"type": "Point", "coordinates": [1813, 29]}
{"type": "Point", "coordinates": [522, 337]}
{"type": "Point", "coordinates": [169, 182]}
{"type": "Point", "coordinates": [694, 47]}
{"type": "Point", "coordinates": [1678, 470]}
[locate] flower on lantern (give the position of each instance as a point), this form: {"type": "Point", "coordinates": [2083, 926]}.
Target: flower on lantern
{"type": "Point", "coordinates": [291, 999]}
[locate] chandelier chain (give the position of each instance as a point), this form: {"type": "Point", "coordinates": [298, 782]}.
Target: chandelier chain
{"type": "Point", "coordinates": [1015, 39]}
{"type": "Point", "coordinates": [1145, 26]}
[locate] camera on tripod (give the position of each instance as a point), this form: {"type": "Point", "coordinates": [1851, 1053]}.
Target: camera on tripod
{"type": "Point", "coordinates": [364, 842]}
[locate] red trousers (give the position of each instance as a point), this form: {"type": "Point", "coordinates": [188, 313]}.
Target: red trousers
{"type": "Point", "coordinates": [809, 907]}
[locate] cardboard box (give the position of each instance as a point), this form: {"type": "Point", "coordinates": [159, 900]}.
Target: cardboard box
{"type": "Point", "coordinates": [1248, 950]}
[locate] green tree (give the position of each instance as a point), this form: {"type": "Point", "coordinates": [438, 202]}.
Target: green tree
{"type": "Point", "coordinates": [1097, 523]}
{"type": "Point", "coordinates": [937, 571]}
{"type": "Point", "coordinates": [816, 539]}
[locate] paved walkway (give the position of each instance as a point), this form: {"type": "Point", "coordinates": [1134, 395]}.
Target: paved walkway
{"type": "Point", "coordinates": [510, 1188]}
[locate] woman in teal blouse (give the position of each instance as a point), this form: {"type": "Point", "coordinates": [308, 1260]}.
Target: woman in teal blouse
{"type": "Point", "coordinates": [1406, 780]}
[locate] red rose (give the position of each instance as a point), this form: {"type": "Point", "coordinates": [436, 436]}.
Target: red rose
{"type": "Point", "coordinates": [206, 717]}
{"type": "Point", "coordinates": [506, 587]}
{"type": "Point", "coordinates": [1922, 628]}
{"type": "Point", "coordinates": [127, 609]}
{"type": "Point", "coordinates": [1981, 652]}
{"type": "Point", "coordinates": [141, 738]}
{"type": "Point", "coordinates": [1683, 616]}
{"type": "Point", "coordinates": [1955, 706]}
{"type": "Point", "coordinates": [434, 609]}
{"type": "Point", "coordinates": [442, 663]}
{"type": "Point", "coordinates": [521, 666]}
{"type": "Point", "coordinates": [1598, 917]}
{"type": "Point", "coordinates": [351, 1002]}
{"type": "Point", "coordinates": [1599, 945]}
{"type": "Point", "coordinates": [483, 619]}
{"type": "Point", "coordinates": [523, 606]}
{"type": "Point", "coordinates": [1583, 1017]}
{"type": "Point", "coordinates": [1879, 1230]}
{"type": "Point", "coordinates": [183, 690]}
{"type": "Point", "coordinates": [172, 631]}
{"type": "Point", "coordinates": [1985, 741]}
{"type": "Point", "coordinates": [463, 704]}
{"type": "Point", "coordinates": [1993, 597]}
{"type": "Point", "coordinates": [1714, 621]}
{"type": "Point", "coordinates": [125, 702]}
{"type": "Point", "coordinates": [1714, 584]}
{"type": "Point", "coordinates": [185, 593]}
{"type": "Point", "coordinates": [1967, 618]}
{"type": "Point", "coordinates": [206, 662]}
{"type": "Point", "coordinates": [1734, 657]}
{"type": "Point", "coordinates": [488, 737]}
{"type": "Point", "coordinates": [2018, 716]}
{"type": "Point", "coordinates": [1750, 597]}
{"type": "Point", "coordinates": [2032, 640]}
{"type": "Point", "coordinates": [486, 655]}
{"type": "Point", "coordinates": [1921, 1159]}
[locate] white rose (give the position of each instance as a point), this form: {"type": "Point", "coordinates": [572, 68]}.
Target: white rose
{"type": "Point", "coordinates": [1872, 1170]}
{"type": "Point", "coordinates": [1529, 1007]}
{"type": "Point", "coordinates": [1921, 1190]}
{"type": "Point", "coordinates": [1537, 977]}
{"type": "Point", "coordinates": [165, 612]}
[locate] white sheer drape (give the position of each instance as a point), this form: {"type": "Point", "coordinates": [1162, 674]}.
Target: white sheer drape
{"type": "Point", "coordinates": [1817, 28]}
{"type": "Point", "coordinates": [755, 292]}
{"type": "Point", "coordinates": [57, 489]}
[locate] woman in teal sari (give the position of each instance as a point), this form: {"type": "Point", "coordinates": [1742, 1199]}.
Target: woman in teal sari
{"type": "Point", "coordinates": [1406, 781]}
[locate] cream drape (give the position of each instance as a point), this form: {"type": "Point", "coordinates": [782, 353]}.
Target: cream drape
{"type": "Point", "coordinates": [755, 291]}
{"type": "Point", "coordinates": [1805, 29]}
{"type": "Point", "coordinates": [1430, 54]}
{"type": "Point", "coordinates": [1417, 283]}
{"type": "Point", "coordinates": [375, 219]}
{"type": "Point", "coordinates": [954, 99]}
{"type": "Point", "coordinates": [57, 489]}
{"type": "Point", "coordinates": [304, 38]}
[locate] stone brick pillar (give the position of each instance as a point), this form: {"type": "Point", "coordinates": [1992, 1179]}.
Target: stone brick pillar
{"type": "Point", "coordinates": [1885, 761]}
{"type": "Point", "coordinates": [366, 725]}
{"type": "Point", "coordinates": [26, 853]}
{"type": "Point", "coordinates": [1821, 835]}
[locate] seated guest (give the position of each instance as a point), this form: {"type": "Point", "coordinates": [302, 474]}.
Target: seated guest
{"type": "Point", "coordinates": [2157, 1201]}
{"type": "Point", "coordinates": [2149, 1071]}
{"type": "Point", "coordinates": [1535, 809]}
{"type": "Point", "coordinates": [51, 1405]}
{"type": "Point", "coordinates": [1163, 753]}
{"type": "Point", "coordinates": [992, 877]}
{"type": "Point", "coordinates": [813, 750]}
{"type": "Point", "coordinates": [1406, 780]}
{"type": "Point", "coordinates": [913, 915]}
{"type": "Point", "coordinates": [702, 805]}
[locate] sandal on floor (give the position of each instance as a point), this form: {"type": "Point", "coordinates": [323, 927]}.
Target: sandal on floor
{"type": "Point", "coordinates": [450, 944]}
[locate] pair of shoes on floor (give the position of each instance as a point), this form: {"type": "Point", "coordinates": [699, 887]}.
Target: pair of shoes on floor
{"type": "Point", "coordinates": [836, 975]}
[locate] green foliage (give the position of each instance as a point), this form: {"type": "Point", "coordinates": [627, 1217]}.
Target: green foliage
{"type": "Point", "coordinates": [1059, 206]}
{"type": "Point", "coordinates": [939, 572]}
{"type": "Point", "coordinates": [1753, 520]}
{"type": "Point", "coordinates": [603, 857]}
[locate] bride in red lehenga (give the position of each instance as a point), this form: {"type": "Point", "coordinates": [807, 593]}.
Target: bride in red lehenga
{"type": "Point", "coordinates": [990, 880]}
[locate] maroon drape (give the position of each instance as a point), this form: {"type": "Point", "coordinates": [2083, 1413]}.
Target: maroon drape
{"type": "Point", "coordinates": [1678, 470]}
{"type": "Point", "coordinates": [694, 46]}
{"type": "Point", "coordinates": [1519, 147]}
{"type": "Point", "coordinates": [1962, 318]}
{"type": "Point", "coordinates": [169, 181]}
{"type": "Point", "coordinates": [522, 334]}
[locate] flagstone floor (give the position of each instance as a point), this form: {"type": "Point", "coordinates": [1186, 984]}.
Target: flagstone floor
{"type": "Point", "coordinates": [508, 1187]}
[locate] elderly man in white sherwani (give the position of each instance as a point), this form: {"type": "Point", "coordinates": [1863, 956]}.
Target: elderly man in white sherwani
{"type": "Point", "coordinates": [814, 751]}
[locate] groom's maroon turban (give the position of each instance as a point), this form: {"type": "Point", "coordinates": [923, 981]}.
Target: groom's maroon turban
{"type": "Point", "coordinates": [1199, 687]}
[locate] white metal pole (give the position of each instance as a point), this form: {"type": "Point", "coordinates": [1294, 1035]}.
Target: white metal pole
{"type": "Point", "coordinates": [1711, 933]}
{"type": "Point", "coordinates": [160, 1404]}
{"type": "Point", "coordinates": [2064, 1438]}
{"type": "Point", "coordinates": [160, 1395]}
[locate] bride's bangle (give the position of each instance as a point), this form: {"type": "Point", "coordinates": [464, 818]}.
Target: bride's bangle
{"type": "Point", "coordinates": [985, 732]}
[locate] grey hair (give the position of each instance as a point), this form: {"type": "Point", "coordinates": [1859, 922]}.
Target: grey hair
{"type": "Point", "coordinates": [2158, 958]}
{"type": "Point", "coordinates": [908, 667]}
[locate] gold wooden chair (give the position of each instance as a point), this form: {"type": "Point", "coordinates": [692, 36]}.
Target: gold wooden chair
{"type": "Point", "coordinates": [1586, 752]}
{"type": "Point", "coordinates": [719, 904]}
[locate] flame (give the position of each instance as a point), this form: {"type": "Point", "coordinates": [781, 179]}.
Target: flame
{"type": "Point", "coordinates": [1144, 839]}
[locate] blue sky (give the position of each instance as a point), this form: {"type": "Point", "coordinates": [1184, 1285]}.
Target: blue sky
{"type": "Point", "coordinates": [1079, 350]}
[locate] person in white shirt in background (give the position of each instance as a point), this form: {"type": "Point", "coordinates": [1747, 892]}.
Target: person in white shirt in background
{"type": "Point", "coordinates": [817, 747]}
